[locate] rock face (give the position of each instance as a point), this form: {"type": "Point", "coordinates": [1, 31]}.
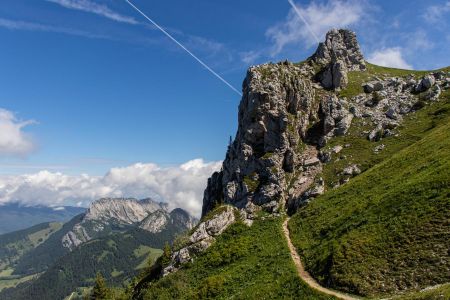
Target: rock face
{"type": "Point", "coordinates": [127, 211]}
{"type": "Point", "coordinates": [286, 118]}
{"type": "Point", "coordinates": [277, 107]}
{"type": "Point", "coordinates": [339, 54]}
{"type": "Point", "coordinates": [109, 214]}
{"type": "Point", "coordinates": [281, 116]}
{"type": "Point", "coordinates": [203, 236]}
{"type": "Point", "coordinates": [287, 115]}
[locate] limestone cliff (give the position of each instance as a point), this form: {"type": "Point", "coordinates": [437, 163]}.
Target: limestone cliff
{"type": "Point", "coordinates": [287, 114]}
{"type": "Point", "coordinates": [113, 214]}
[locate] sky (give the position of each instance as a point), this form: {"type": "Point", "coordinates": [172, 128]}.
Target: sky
{"type": "Point", "coordinates": [96, 101]}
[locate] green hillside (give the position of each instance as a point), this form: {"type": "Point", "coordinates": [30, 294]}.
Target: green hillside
{"type": "Point", "coordinates": [40, 258]}
{"type": "Point", "coordinates": [244, 263]}
{"type": "Point", "coordinates": [16, 244]}
{"type": "Point", "coordinates": [361, 151]}
{"type": "Point", "coordinates": [388, 229]}
{"type": "Point", "coordinates": [119, 257]}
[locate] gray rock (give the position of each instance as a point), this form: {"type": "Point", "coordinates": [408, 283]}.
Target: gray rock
{"type": "Point", "coordinates": [337, 118]}
{"type": "Point", "coordinates": [220, 222]}
{"type": "Point", "coordinates": [351, 170]}
{"type": "Point", "coordinates": [311, 162]}
{"type": "Point", "coordinates": [375, 134]}
{"type": "Point", "coordinates": [427, 82]}
{"type": "Point", "coordinates": [378, 86]}
{"type": "Point", "coordinates": [373, 86]}
{"type": "Point", "coordinates": [368, 87]}
{"type": "Point", "coordinates": [325, 156]}
{"type": "Point", "coordinates": [391, 114]}
{"type": "Point", "coordinates": [334, 76]}
{"type": "Point", "coordinates": [337, 149]}
{"type": "Point", "coordinates": [379, 148]}
{"type": "Point", "coordinates": [340, 45]}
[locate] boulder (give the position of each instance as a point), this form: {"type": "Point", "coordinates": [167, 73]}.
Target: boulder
{"type": "Point", "coordinates": [311, 162]}
{"type": "Point", "coordinates": [351, 170]}
{"type": "Point", "coordinates": [426, 83]}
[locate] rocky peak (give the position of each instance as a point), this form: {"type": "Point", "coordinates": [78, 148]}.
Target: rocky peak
{"type": "Point", "coordinates": [109, 214]}
{"type": "Point", "coordinates": [276, 110]}
{"type": "Point", "coordinates": [339, 54]}
{"type": "Point", "coordinates": [123, 210]}
{"type": "Point", "coordinates": [286, 119]}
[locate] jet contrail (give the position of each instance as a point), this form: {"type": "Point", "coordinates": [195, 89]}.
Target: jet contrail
{"type": "Point", "coordinates": [184, 48]}
{"type": "Point", "coordinates": [304, 20]}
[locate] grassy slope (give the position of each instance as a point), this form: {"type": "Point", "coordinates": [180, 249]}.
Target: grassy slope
{"type": "Point", "coordinates": [415, 126]}
{"type": "Point", "coordinates": [244, 263]}
{"type": "Point", "coordinates": [388, 228]}
{"type": "Point", "coordinates": [14, 245]}
{"type": "Point", "coordinates": [441, 292]}
{"type": "Point", "coordinates": [356, 78]}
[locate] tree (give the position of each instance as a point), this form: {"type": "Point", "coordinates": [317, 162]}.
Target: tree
{"type": "Point", "coordinates": [100, 290]}
{"type": "Point", "coordinates": [167, 254]}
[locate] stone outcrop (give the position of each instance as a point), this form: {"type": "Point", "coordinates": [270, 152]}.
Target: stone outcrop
{"type": "Point", "coordinates": [286, 119]}
{"type": "Point", "coordinates": [282, 117]}
{"type": "Point", "coordinates": [202, 237]}
{"type": "Point", "coordinates": [339, 54]}
{"type": "Point", "coordinates": [277, 107]}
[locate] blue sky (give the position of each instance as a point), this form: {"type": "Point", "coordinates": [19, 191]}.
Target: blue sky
{"type": "Point", "coordinates": [90, 85]}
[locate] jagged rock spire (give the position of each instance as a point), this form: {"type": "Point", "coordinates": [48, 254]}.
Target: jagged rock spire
{"type": "Point", "coordinates": [273, 161]}
{"type": "Point", "coordinates": [339, 54]}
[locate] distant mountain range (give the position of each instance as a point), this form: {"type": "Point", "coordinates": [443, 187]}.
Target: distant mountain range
{"type": "Point", "coordinates": [117, 237]}
{"type": "Point", "coordinates": [14, 216]}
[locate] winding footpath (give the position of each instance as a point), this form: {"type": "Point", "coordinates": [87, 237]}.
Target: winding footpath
{"type": "Point", "coordinates": [304, 275]}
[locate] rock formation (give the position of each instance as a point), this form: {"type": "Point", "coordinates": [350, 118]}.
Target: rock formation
{"type": "Point", "coordinates": [282, 116]}
{"type": "Point", "coordinates": [109, 214]}
{"type": "Point", "coordinates": [287, 115]}
{"type": "Point", "coordinates": [339, 54]}
{"type": "Point", "coordinates": [289, 111]}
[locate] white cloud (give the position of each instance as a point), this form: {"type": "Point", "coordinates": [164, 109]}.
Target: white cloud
{"type": "Point", "coordinates": [180, 186]}
{"type": "Point", "coordinates": [13, 140]}
{"type": "Point", "coordinates": [435, 13]}
{"type": "Point", "coordinates": [250, 57]}
{"type": "Point", "coordinates": [30, 26]}
{"type": "Point", "coordinates": [95, 8]}
{"type": "Point", "coordinates": [320, 16]}
{"type": "Point", "coordinates": [389, 57]}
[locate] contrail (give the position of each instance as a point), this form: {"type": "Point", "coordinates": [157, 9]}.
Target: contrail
{"type": "Point", "coordinates": [304, 20]}
{"type": "Point", "coordinates": [184, 48]}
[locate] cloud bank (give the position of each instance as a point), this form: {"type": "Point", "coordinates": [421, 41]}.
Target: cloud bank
{"type": "Point", "coordinates": [179, 186]}
{"type": "Point", "coordinates": [13, 140]}
{"type": "Point", "coordinates": [389, 57]}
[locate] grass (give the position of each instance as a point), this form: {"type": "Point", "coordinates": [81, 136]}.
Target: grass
{"type": "Point", "coordinates": [149, 255]}
{"type": "Point", "coordinates": [244, 263]}
{"type": "Point", "coordinates": [41, 236]}
{"type": "Point", "coordinates": [251, 183]}
{"type": "Point", "coordinates": [441, 292]}
{"type": "Point", "coordinates": [6, 272]}
{"type": "Point", "coordinates": [387, 229]}
{"type": "Point", "coordinates": [357, 78]}
{"type": "Point", "coordinates": [414, 127]}
{"type": "Point", "coordinates": [14, 281]}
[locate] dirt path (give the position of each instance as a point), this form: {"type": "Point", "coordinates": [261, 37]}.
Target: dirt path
{"type": "Point", "coordinates": [304, 275]}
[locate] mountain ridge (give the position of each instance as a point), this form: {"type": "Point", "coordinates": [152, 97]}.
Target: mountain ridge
{"type": "Point", "coordinates": [16, 216]}
{"type": "Point", "coordinates": [305, 129]}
